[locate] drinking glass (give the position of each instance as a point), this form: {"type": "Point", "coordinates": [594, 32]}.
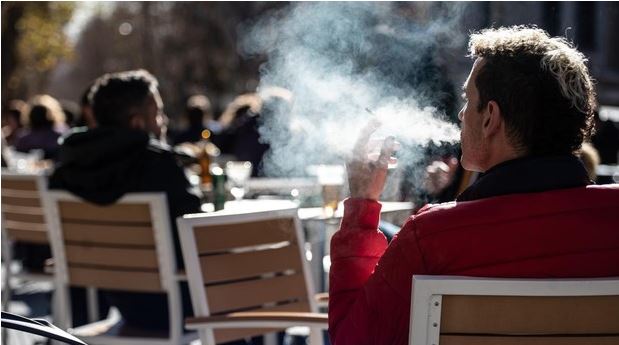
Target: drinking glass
{"type": "Point", "coordinates": [238, 173]}
{"type": "Point", "coordinates": [331, 179]}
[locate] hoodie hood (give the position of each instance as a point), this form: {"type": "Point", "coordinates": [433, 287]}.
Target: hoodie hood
{"type": "Point", "coordinates": [100, 165]}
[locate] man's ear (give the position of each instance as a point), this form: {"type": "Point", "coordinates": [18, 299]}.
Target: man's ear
{"type": "Point", "coordinates": [492, 119]}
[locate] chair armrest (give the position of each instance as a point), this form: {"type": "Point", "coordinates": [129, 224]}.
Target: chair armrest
{"type": "Point", "coordinates": [322, 299]}
{"type": "Point", "coordinates": [259, 320]}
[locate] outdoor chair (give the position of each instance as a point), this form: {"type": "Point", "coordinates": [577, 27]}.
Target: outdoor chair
{"type": "Point", "coordinates": [448, 310]}
{"type": "Point", "coordinates": [248, 275]}
{"type": "Point", "coordinates": [23, 221]}
{"type": "Point", "coordinates": [125, 246]}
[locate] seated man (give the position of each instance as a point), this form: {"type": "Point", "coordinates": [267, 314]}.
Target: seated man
{"type": "Point", "coordinates": [121, 156]}
{"type": "Point", "coordinates": [533, 214]}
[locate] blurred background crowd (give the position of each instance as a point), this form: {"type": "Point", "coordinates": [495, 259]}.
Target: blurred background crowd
{"type": "Point", "coordinates": [53, 51]}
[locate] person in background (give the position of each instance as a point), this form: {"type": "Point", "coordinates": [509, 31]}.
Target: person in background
{"type": "Point", "coordinates": [534, 213]}
{"type": "Point", "coordinates": [45, 122]}
{"type": "Point", "coordinates": [199, 116]}
{"type": "Point", "coordinates": [240, 121]}
{"type": "Point", "coordinates": [122, 155]}
{"type": "Point", "coordinates": [606, 140]}
{"type": "Point", "coordinates": [239, 136]}
{"type": "Point", "coordinates": [12, 127]}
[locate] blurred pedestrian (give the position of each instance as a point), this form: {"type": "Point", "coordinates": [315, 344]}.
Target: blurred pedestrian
{"type": "Point", "coordinates": [199, 117]}
{"type": "Point", "coordinates": [44, 122]}
{"type": "Point", "coordinates": [12, 127]}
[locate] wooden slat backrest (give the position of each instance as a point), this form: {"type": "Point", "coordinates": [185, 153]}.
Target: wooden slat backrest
{"type": "Point", "coordinates": [248, 264]}
{"type": "Point", "coordinates": [530, 315]}
{"type": "Point", "coordinates": [110, 247]}
{"type": "Point", "coordinates": [236, 260]}
{"type": "Point", "coordinates": [460, 310]}
{"type": "Point", "coordinates": [221, 238]}
{"type": "Point", "coordinates": [22, 212]}
{"type": "Point", "coordinates": [527, 340]}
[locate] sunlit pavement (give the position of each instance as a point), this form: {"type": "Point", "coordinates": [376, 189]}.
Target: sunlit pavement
{"type": "Point", "coordinates": [30, 300]}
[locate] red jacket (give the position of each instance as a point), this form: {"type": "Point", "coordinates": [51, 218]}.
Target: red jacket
{"type": "Point", "coordinates": [561, 233]}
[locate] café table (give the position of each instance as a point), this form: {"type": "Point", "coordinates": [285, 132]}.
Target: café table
{"type": "Point", "coordinates": [305, 213]}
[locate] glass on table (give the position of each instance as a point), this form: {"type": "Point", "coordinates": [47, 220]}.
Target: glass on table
{"type": "Point", "coordinates": [238, 172]}
{"type": "Point", "coordinates": [331, 179]}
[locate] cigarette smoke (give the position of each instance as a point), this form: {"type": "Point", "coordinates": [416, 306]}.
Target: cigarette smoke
{"type": "Point", "coordinates": [338, 59]}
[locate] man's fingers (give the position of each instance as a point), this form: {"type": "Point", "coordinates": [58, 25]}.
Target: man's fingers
{"type": "Point", "coordinates": [389, 146]}
{"type": "Point", "coordinates": [360, 150]}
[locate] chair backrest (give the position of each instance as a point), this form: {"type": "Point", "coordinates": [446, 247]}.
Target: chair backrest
{"type": "Point", "coordinates": [124, 246]}
{"type": "Point", "coordinates": [245, 262]}
{"type": "Point", "coordinates": [461, 310]}
{"type": "Point", "coordinates": [23, 218]}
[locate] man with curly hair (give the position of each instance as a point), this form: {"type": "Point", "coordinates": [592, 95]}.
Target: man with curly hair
{"type": "Point", "coordinates": [533, 213]}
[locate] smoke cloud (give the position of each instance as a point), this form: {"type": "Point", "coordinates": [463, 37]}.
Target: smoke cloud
{"type": "Point", "coordinates": [339, 59]}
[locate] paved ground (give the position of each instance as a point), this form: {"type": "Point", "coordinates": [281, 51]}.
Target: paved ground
{"type": "Point", "coordinates": [30, 300]}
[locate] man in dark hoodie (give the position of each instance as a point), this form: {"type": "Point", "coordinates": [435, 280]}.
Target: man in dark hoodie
{"type": "Point", "coordinates": [119, 156]}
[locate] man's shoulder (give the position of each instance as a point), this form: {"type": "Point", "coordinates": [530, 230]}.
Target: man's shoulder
{"type": "Point", "coordinates": [515, 207]}
{"type": "Point", "coordinates": [159, 150]}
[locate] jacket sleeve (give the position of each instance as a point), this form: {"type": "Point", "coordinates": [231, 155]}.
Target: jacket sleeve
{"type": "Point", "coordinates": [370, 283]}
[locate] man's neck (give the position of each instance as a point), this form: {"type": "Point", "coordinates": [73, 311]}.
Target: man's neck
{"type": "Point", "coordinates": [501, 154]}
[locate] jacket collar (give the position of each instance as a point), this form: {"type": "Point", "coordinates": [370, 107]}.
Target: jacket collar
{"type": "Point", "coordinates": [528, 175]}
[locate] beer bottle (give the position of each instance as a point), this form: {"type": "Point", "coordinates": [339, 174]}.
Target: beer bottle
{"type": "Point", "coordinates": [208, 151]}
{"type": "Point", "coordinates": [204, 160]}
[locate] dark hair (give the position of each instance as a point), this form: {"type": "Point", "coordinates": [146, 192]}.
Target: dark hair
{"type": "Point", "coordinates": [40, 117]}
{"type": "Point", "coordinates": [541, 85]}
{"type": "Point", "coordinates": [117, 97]}
{"type": "Point", "coordinates": [195, 116]}
{"type": "Point", "coordinates": [198, 107]}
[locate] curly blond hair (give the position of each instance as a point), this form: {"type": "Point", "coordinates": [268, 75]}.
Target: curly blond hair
{"type": "Point", "coordinates": [538, 81]}
{"type": "Point", "coordinates": [558, 56]}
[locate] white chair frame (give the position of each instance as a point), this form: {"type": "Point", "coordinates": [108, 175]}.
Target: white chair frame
{"type": "Point", "coordinates": [7, 248]}
{"type": "Point", "coordinates": [196, 283]}
{"type": "Point", "coordinates": [167, 270]}
{"type": "Point", "coordinates": [426, 302]}
{"type": "Point", "coordinates": [40, 179]}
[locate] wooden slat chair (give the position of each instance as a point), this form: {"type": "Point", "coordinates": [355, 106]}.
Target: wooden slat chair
{"type": "Point", "coordinates": [23, 221]}
{"type": "Point", "coordinates": [126, 246]}
{"type": "Point", "coordinates": [482, 311]}
{"type": "Point", "coordinates": [248, 275]}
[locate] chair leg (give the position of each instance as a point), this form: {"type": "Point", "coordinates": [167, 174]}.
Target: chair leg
{"type": "Point", "coordinates": [270, 339]}
{"type": "Point", "coordinates": [315, 337]}
{"type": "Point", "coordinates": [7, 257]}
{"type": "Point", "coordinates": [93, 304]}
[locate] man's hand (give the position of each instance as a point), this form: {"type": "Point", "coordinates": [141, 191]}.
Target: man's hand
{"type": "Point", "coordinates": [366, 178]}
{"type": "Point", "coordinates": [439, 174]}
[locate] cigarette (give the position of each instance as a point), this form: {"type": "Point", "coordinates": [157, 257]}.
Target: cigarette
{"type": "Point", "coordinates": [369, 111]}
